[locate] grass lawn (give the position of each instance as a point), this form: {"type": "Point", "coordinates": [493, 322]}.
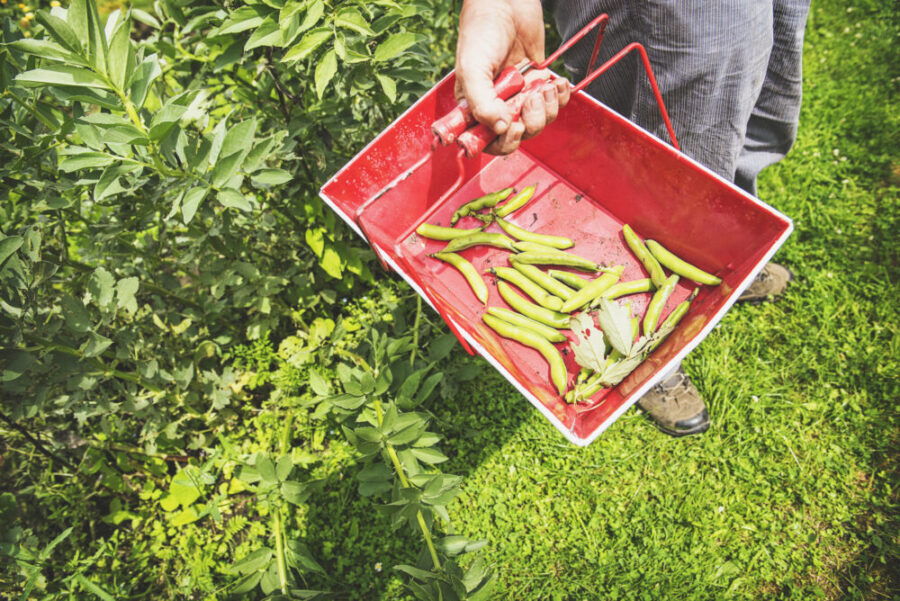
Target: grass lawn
{"type": "Point", "coordinates": [792, 494]}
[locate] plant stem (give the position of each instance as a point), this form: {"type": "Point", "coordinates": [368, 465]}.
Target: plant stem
{"type": "Point", "coordinates": [68, 350]}
{"type": "Point", "coordinates": [355, 358]}
{"type": "Point", "coordinates": [277, 522]}
{"type": "Point", "coordinates": [277, 526]}
{"type": "Point", "coordinates": [34, 113]}
{"type": "Point", "coordinates": [404, 482]}
{"type": "Point", "coordinates": [37, 443]}
{"type": "Point", "coordinates": [415, 343]}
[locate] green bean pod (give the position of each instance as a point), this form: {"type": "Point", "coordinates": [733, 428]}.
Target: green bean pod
{"type": "Point", "coordinates": [590, 387]}
{"type": "Point", "coordinates": [583, 374]}
{"type": "Point", "coordinates": [674, 318]}
{"type": "Point", "coordinates": [680, 266]}
{"type": "Point", "coordinates": [654, 309]}
{"type": "Point", "coordinates": [483, 202]}
{"type": "Point", "coordinates": [554, 319]}
{"type": "Point", "coordinates": [525, 236]}
{"type": "Point", "coordinates": [558, 374]}
{"type": "Point", "coordinates": [649, 262]}
{"type": "Point", "coordinates": [593, 289]}
{"type": "Point", "coordinates": [624, 289]}
{"type": "Point", "coordinates": [537, 247]}
{"type": "Point", "coordinates": [469, 272]}
{"type": "Point", "coordinates": [558, 258]}
{"type": "Point", "coordinates": [516, 202]}
{"type": "Point", "coordinates": [437, 232]}
{"type": "Point", "coordinates": [540, 296]}
{"type": "Point", "coordinates": [613, 356]}
{"type": "Point", "coordinates": [568, 278]}
{"type": "Point", "coordinates": [517, 319]}
{"type": "Point", "coordinates": [551, 285]}
{"type": "Point", "coordinates": [495, 240]}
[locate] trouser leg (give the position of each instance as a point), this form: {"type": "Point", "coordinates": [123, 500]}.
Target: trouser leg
{"type": "Point", "coordinates": [772, 128]}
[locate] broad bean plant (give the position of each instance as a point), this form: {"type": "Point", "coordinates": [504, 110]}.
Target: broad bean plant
{"type": "Point", "coordinates": [181, 343]}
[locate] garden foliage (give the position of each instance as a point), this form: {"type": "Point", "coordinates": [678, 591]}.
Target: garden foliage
{"type": "Point", "coordinates": [160, 225]}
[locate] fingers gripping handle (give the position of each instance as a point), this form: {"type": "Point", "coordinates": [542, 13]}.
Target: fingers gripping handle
{"type": "Point", "coordinates": [454, 123]}
{"type": "Point", "coordinates": [476, 139]}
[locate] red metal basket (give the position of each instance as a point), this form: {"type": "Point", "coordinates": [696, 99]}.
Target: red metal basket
{"type": "Point", "coordinates": [595, 171]}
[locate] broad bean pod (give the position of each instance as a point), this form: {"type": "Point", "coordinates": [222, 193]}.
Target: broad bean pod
{"type": "Point", "coordinates": [437, 232]}
{"type": "Point", "coordinates": [593, 289]}
{"type": "Point", "coordinates": [559, 258]}
{"type": "Point", "coordinates": [517, 319]}
{"type": "Point", "coordinates": [588, 388]}
{"type": "Point", "coordinates": [568, 278]}
{"type": "Point", "coordinates": [487, 201]}
{"type": "Point", "coordinates": [516, 202]}
{"type": "Point", "coordinates": [558, 374]}
{"type": "Point", "coordinates": [537, 247]}
{"type": "Point", "coordinates": [634, 242]}
{"type": "Point", "coordinates": [469, 272]}
{"type": "Point", "coordinates": [554, 319]}
{"type": "Point", "coordinates": [540, 296]}
{"type": "Point", "coordinates": [680, 266]}
{"type": "Point", "coordinates": [624, 289]}
{"type": "Point", "coordinates": [654, 309]}
{"type": "Point", "coordinates": [674, 318]}
{"type": "Point", "coordinates": [480, 239]}
{"type": "Point", "coordinates": [519, 233]}
{"type": "Point", "coordinates": [542, 279]}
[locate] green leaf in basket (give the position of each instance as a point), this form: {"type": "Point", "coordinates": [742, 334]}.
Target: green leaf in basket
{"type": "Point", "coordinates": [590, 350]}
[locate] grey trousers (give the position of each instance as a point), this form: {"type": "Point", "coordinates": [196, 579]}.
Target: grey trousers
{"type": "Point", "coordinates": [729, 72]}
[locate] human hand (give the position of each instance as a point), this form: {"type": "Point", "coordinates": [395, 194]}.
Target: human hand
{"type": "Point", "coordinates": [494, 34]}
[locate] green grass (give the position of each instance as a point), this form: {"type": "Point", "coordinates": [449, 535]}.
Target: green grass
{"type": "Point", "coordinates": [792, 494]}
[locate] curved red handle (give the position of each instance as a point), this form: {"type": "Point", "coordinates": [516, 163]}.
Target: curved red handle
{"type": "Point", "coordinates": [476, 139]}
{"type": "Point", "coordinates": [451, 125]}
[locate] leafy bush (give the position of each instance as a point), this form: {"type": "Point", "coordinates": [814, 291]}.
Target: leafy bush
{"type": "Point", "coordinates": [161, 226]}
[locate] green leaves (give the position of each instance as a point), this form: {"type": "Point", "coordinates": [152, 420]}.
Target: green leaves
{"type": "Point", "coordinates": [242, 19]}
{"type": "Point", "coordinates": [126, 289]}
{"type": "Point", "coordinates": [267, 34]}
{"type": "Point", "coordinates": [63, 75]}
{"type": "Point", "coordinates": [351, 18]}
{"type": "Point", "coordinates": [191, 202]}
{"type": "Point", "coordinates": [46, 49]}
{"type": "Point", "coordinates": [121, 55]}
{"type": "Point", "coordinates": [83, 19]}
{"type": "Point", "coordinates": [60, 31]}
{"type": "Point", "coordinates": [84, 159]}
{"type": "Point", "coordinates": [233, 199]}
{"type": "Point", "coordinates": [389, 86]}
{"type": "Point", "coordinates": [134, 282]}
{"type": "Point", "coordinates": [394, 45]}
{"type": "Point", "coordinates": [101, 287]}
{"type": "Point", "coordinates": [271, 177]}
{"type": "Point", "coordinates": [325, 71]}
{"type": "Point", "coordinates": [9, 245]}
{"type": "Point", "coordinates": [308, 44]}
{"type": "Point", "coordinates": [589, 348]}
{"type": "Point", "coordinates": [615, 321]}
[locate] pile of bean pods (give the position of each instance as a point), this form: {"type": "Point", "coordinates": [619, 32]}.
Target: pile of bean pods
{"type": "Point", "coordinates": [555, 294]}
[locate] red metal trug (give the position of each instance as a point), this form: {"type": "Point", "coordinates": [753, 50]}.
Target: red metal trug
{"type": "Point", "coordinates": [594, 172]}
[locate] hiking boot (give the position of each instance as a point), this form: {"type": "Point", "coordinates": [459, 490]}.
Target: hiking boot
{"type": "Point", "coordinates": [770, 282]}
{"type": "Point", "coordinates": [675, 406]}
